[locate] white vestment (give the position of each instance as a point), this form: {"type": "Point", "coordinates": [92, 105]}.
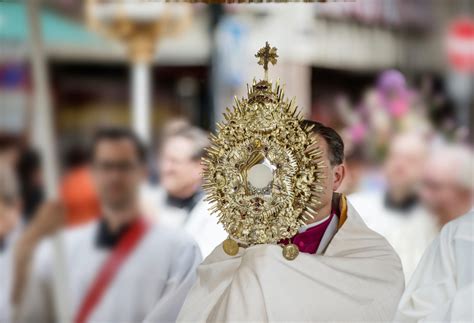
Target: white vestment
{"type": "Point", "coordinates": [357, 278]}
{"type": "Point", "coordinates": [157, 274]}
{"type": "Point", "coordinates": [409, 233]}
{"type": "Point", "coordinates": [202, 227]}
{"type": "Point", "coordinates": [442, 287]}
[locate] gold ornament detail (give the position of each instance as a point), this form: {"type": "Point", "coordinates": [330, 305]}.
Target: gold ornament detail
{"type": "Point", "coordinates": [290, 251]}
{"type": "Point", "coordinates": [230, 247]}
{"type": "Point", "coordinates": [263, 170]}
{"type": "Point", "coordinates": [267, 55]}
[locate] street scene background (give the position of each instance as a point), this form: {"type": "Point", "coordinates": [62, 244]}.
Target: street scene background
{"type": "Point", "coordinates": [393, 78]}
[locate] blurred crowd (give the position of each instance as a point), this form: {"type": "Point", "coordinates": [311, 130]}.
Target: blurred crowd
{"type": "Point", "coordinates": [408, 140]}
{"type": "Point", "coordinates": [107, 178]}
{"type": "Point", "coordinates": [410, 171]}
{"type": "Point", "coordinates": [410, 166]}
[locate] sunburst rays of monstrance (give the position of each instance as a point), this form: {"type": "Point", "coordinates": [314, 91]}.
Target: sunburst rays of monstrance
{"type": "Point", "coordinates": [263, 171]}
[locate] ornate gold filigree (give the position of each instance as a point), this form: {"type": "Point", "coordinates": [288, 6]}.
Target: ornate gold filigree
{"type": "Point", "coordinates": [290, 251]}
{"type": "Point", "coordinates": [230, 247]}
{"type": "Point", "coordinates": [267, 55]}
{"type": "Point", "coordinates": [263, 171]}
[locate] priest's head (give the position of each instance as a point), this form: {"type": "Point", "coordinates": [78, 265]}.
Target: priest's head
{"type": "Point", "coordinates": [332, 148]}
{"type": "Point", "coordinates": [447, 188]}
{"type": "Point", "coordinates": [118, 160]}
{"type": "Point", "coordinates": [180, 160]}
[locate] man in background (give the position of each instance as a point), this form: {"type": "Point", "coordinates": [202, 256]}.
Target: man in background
{"type": "Point", "coordinates": [25, 162]}
{"type": "Point", "coordinates": [9, 151]}
{"type": "Point", "coordinates": [448, 183]}
{"type": "Point", "coordinates": [396, 212]}
{"type": "Point", "coordinates": [179, 200]}
{"type": "Point", "coordinates": [442, 287]}
{"type": "Point", "coordinates": [10, 212]}
{"type": "Point", "coordinates": [30, 178]}
{"type": "Point", "coordinates": [118, 267]}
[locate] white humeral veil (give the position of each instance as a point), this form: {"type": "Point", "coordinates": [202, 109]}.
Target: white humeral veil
{"type": "Point", "coordinates": [358, 278]}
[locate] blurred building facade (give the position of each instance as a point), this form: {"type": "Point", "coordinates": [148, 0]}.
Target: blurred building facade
{"type": "Point", "coordinates": [330, 55]}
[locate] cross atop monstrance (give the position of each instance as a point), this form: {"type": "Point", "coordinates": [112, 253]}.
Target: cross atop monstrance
{"type": "Point", "coordinates": [267, 55]}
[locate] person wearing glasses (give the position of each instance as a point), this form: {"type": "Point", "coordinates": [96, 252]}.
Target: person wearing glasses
{"type": "Point", "coordinates": [120, 266]}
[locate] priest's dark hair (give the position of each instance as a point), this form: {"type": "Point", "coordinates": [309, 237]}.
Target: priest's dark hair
{"type": "Point", "coordinates": [118, 133]}
{"type": "Point", "coordinates": [334, 141]}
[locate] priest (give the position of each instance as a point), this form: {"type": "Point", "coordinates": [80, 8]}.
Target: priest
{"type": "Point", "coordinates": [119, 267]}
{"type": "Point", "coordinates": [296, 251]}
{"type": "Point", "coordinates": [344, 272]}
{"type": "Point", "coordinates": [442, 287]}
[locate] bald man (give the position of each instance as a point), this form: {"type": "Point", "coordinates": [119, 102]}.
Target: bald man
{"type": "Point", "coordinates": [396, 212]}
{"type": "Point", "coordinates": [447, 188]}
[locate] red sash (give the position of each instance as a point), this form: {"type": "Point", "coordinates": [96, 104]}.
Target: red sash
{"type": "Point", "coordinates": [110, 268]}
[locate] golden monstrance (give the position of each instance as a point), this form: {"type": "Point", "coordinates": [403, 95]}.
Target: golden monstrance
{"type": "Point", "coordinates": [263, 170]}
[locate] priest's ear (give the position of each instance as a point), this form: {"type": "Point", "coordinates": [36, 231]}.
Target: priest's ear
{"type": "Point", "coordinates": [338, 174]}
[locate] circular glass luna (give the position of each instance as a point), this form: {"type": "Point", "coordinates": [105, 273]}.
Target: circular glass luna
{"type": "Point", "coordinates": [258, 174]}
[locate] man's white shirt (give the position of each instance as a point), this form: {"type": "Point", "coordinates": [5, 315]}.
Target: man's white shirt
{"type": "Point", "coordinates": [197, 222]}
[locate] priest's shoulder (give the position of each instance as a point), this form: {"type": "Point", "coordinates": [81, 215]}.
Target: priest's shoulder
{"type": "Point", "coordinates": [355, 238]}
{"type": "Point", "coordinates": [74, 235]}
{"type": "Point", "coordinates": [69, 239]}
{"type": "Point", "coordinates": [79, 235]}
{"type": "Point", "coordinates": [169, 236]}
{"type": "Point", "coordinates": [465, 220]}
{"type": "Point", "coordinates": [460, 228]}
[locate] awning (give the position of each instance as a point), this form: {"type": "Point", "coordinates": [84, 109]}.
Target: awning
{"type": "Point", "coordinates": [70, 40]}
